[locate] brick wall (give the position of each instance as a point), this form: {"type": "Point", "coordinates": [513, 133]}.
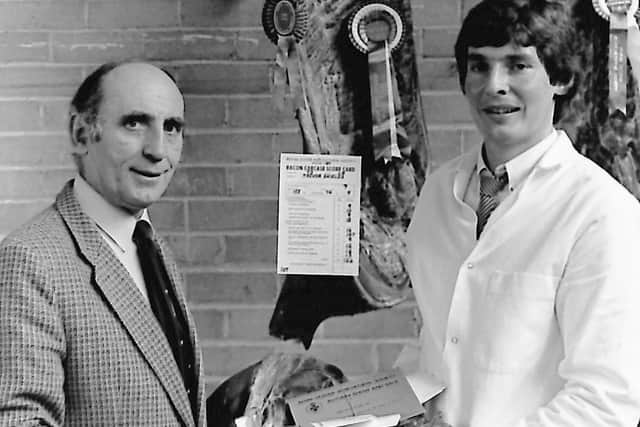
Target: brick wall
{"type": "Point", "coordinates": [220, 212]}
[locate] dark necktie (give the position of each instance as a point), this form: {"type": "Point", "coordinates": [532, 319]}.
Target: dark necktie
{"type": "Point", "coordinates": [490, 186]}
{"type": "Point", "coordinates": [164, 305]}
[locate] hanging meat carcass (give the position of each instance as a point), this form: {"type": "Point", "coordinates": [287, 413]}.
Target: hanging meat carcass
{"type": "Point", "coordinates": [351, 69]}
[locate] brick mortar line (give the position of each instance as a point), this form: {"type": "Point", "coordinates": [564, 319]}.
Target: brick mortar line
{"type": "Point", "coordinates": [190, 131]}
{"type": "Point", "coordinates": [239, 131]}
{"type": "Point", "coordinates": [40, 64]}
{"type": "Point", "coordinates": [36, 98]}
{"type": "Point", "coordinates": [85, 13]}
{"type": "Point", "coordinates": [213, 270]}
{"type": "Point", "coordinates": [226, 112]}
{"type": "Point", "coordinates": [438, 59]}
{"type": "Point", "coordinates": [270, 164]}
{"type": "Point", "coordinates": [438, 27]}
{"type": "Point", "coordinates": [41, 168]}
{"type": "Point", "coordinates": [54, 64]}
{"type": "Point", "coordinates": [441, 92]}
{"type": "Point", "coordinates": [221, 198]}
{"type": "Point", "coordinates": [211, 96]}
{"type": "Point", "coordinates": [32, 199]}
{"type": "Point", "coordinates": [163, 29]}
{"type": "Point", "coordinates": [226, 324]}
{"type": "Point", "coordinates": [226, 342]}
{"type": "Point", "coordinates": [26, 201]}
{"type": "Point", "coordinates": [50, 44]}
{"type": "Point", "coordinates": [206, 96]}
{"type": "Point", "coordinates": [451, 126]}
{"type": "Point", "coordinates": [230, 267]}
{"type": "Point", "coordinates": [261, 306]}
{"type": "Point", "coordinates": [178, 11]}
{"type": "Point", "coordinates": [222, 306]}
{"type": "Point", "coordinates": [231, 233]}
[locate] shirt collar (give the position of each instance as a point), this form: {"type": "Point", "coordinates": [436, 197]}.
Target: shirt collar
{"type": "Point", "coordinates": [116, 223]}
{"type": "Point", "coordinates": [520, 166]}
{"type": "Point", "coordinates": [481, 164]}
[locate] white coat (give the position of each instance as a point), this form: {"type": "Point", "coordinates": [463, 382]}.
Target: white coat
{"type": "Point", "coordinates": [537, 323]}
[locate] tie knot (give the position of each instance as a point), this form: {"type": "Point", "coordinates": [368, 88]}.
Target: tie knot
{"type": "Point", "coordinates": [491, 184]}
{"type": "Point", "coordinates": [142, 232]}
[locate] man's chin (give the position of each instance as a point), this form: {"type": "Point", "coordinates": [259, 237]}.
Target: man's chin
{"type": "Point", "coordinates": [137, 204]}
{"type": "Point", "coordinates": [499, 135]}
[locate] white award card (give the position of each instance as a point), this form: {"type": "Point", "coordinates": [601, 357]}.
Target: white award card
{"type": "Point", "coordinates": [319, 214]}
{"type": "Point", "coordinates": [380, 395]}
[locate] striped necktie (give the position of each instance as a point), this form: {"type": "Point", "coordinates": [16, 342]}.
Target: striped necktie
{"type": "Point", "coordinates": [490, 186]}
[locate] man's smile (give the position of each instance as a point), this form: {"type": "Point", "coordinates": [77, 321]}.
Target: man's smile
{"type": "Point", "coordinates": [149, 173]}
{"type": "Point", "coordinates": [500, 109]}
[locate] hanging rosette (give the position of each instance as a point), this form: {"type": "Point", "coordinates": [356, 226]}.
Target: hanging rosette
{"type": "Point", "coordinates": [377, 29]}
{"type": "Point", "coordinates": [621, 15]}
{"type": "Point", "coordinates": [285, 24]}
{"type": "Point", "coordinates": [633, 48]}
{"type": "Point", "coordinates": [374, 24]}
{"type": "Point", "coordinates": [284, 18]}
{"type": "Point", "coordinates": [602, 8]}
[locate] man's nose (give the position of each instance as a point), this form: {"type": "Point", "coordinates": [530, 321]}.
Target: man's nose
{"type": "Point", "coordinates": [497, 80]}
{"type": "Point", "coordinates": [155, 144]}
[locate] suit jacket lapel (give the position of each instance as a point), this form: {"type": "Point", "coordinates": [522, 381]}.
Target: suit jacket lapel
{"type": "Point", "coordinates": [127, 302]}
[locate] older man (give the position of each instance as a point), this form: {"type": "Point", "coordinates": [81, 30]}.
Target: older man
{"type": "Point", "coordinates": [94, 329]}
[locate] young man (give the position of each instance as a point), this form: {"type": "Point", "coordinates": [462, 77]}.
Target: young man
{"type": "Point", "coordinates": [94, 328]}
{"type": "Point", "coordinates": [523, 253]}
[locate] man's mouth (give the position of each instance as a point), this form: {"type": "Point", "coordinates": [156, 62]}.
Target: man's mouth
{"type": "Point", "coordinates": [500, 109]}
{"type": "Point", "coordinates": [147, 173]}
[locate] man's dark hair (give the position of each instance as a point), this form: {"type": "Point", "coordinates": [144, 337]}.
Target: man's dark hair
{"type": "Point", "coordinates": [544, 24]}
{"type": "Point", "coordinates": [89, 95]}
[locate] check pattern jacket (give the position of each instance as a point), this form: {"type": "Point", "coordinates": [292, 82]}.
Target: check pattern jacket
{"type": "Point", "coordinates": [79, 344]}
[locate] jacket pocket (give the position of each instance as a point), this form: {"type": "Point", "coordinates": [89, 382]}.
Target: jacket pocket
{"type": "Point", "coordinates": [517, 323]}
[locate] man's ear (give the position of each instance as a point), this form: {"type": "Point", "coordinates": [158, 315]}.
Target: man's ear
{"type": "Point", "coordinates": [80, 133]}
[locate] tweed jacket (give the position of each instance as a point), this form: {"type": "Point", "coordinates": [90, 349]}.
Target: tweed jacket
{"type": "Point", "coordinates": [79, 344]}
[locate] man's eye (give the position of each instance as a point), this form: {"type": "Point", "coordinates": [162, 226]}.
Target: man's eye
{"type": "Point", "coordinates": [519, 66]}
{"type": "Point", "coordinates": [173, 128]}
{"type": "Point", "coordinates": [132, 124]}
{"type": "Point", "coordinates": [477, 67]}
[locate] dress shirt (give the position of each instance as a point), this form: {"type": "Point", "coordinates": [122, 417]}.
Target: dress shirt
{"type": "Point", "coordinates": [115, 226]}
{"type": "Point", "coordinates": [535, 323]}
{"type": "Point", "coordinates": [517, 169]}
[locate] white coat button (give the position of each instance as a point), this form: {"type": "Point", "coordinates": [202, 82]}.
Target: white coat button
{"type": "Point", "coordinates": [454, 340]}
{"type": "Point", "coordinates": [469, 265]}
